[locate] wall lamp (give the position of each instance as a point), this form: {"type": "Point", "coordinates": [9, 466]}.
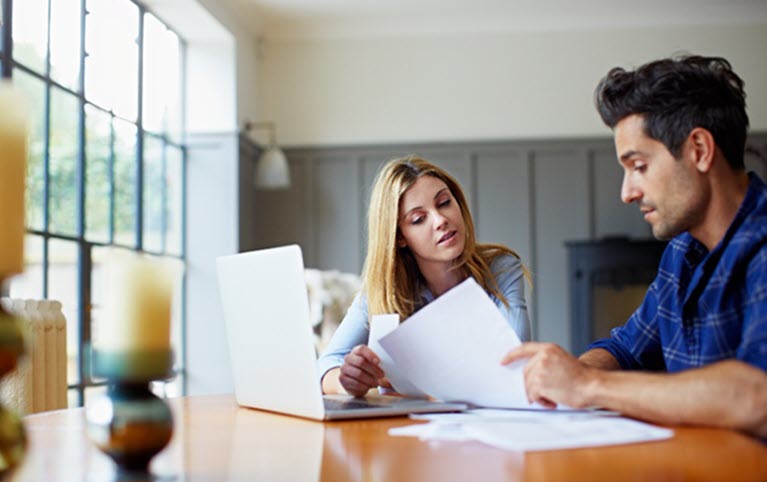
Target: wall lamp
{"type": "Point", "coordinates": [272, 170]}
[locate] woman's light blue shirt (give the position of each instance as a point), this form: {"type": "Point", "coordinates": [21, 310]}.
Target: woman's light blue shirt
{"type": "Point", "coordinates": [354, 329]}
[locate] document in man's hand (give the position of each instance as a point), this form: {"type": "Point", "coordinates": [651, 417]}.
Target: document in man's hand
{"type": "Point", "coordinates": [452, 348]}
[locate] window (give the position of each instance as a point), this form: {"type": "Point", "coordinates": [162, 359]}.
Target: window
{"type": "Point", "coordinates": [106, 162]}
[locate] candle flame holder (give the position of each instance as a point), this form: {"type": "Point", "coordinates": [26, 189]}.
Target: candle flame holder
{"type": "Point", "coordinates": [13, 440]}
{"type": "Point", "coordinates": [130, 424]}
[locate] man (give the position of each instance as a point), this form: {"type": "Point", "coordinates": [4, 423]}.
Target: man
{"type": "Point", "coordinates": [695, 351]}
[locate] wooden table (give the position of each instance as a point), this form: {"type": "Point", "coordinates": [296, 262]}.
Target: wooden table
{"type": "Point", "coordinates": [215, 440]}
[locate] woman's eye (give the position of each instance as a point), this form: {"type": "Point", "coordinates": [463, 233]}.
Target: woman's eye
{"type": "Point", "coordinates": [444, 203]}
{"type": "Point", "coordinates": [417, 220]}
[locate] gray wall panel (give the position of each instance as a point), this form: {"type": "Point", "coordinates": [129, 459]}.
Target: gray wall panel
{"type": "Point", "coordinates": [503, 200]}
{"type": "Point", "coordinates": [562, 214]}
{"type": "Point", "coordinates": [336, 213]}
{"type": "Point", "coordinates": [283, 219]}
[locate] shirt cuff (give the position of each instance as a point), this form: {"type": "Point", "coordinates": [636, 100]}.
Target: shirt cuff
{"type": "Point", "coordinates": [624, 357]}
{"type": "Point", "coordinates": [327, 363]}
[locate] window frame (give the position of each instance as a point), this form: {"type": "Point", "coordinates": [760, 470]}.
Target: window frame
{"type": "Point", "coordinates": [84, 263]}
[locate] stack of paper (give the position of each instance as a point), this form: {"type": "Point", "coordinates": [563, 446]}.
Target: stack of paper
{"type": "Point", "coordinates": [528, 430]}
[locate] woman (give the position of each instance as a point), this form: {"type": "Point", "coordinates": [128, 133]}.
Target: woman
{"type": "Point", "coordinates": [421, 243]}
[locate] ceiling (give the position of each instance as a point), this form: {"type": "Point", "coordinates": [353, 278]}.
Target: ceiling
{"type": "Point", "coordinates": [364, 18]}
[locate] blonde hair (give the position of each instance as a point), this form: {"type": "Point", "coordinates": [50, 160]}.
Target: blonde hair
{"type": "Point", "coordinates": [391, 278]}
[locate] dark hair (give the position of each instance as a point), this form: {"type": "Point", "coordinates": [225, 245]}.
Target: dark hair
{"type": "Point", "coordinates": [675, 96]}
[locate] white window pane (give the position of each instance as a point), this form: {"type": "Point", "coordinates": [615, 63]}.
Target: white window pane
{"type": "Point", "coordinates": [162, 78]}
{"type": "Point", "coordinates": [125, 183]}
{"type": "Point", "coordinates": [63, 286]}
{"type": "Point", "coordinates": [111, 70]}
{"type": "Point", "coordinates": [34, 91]}
{"type": "Point", "coordinates": [63, 151]}
{"type": "Point", "coordinates": [153, 200]}
{"type": "Point", "coordinates": [30, 33]}
{"type": "Point", "coordinates": [175, 202]}
{"type": "Point", "coordinates": [98, 134]}
{"type": "Point", "coordinates": [65, 42]}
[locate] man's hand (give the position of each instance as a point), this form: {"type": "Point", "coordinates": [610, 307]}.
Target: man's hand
{"type": "Point", "coordinates": [552, 375]}
{"type": "Point", "coordinates": [360, 371]}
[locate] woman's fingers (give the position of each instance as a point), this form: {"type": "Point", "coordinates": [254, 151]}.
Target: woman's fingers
{"type": "Point", "coordinates": [360, 371]}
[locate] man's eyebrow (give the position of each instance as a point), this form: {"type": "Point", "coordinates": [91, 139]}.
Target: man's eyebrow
{"type": "Point", "coordinates": [628, 155]}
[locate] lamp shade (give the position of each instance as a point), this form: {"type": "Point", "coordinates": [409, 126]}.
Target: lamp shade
{"type": "Point", "coordinates": [272, 171]}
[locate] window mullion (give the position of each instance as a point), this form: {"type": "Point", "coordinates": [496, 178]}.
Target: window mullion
{"type": "Point", "coordinates": [140, 136]}
{"type": "Point", "coordinates": [81, 135]}
{"type": "Point", "coordinates": [5, 27]}
{"type": "Point", "coordinates": [84, 249]}
{"type": "Point", "coordinates": [164, 199]}
{"type": "Point", "coordinates": [112, 190]}
{"type": "Point", "coordinates": [46, 155]}
{"type": "Point", "coordinates": [184, 379]}
{"type": "Point", "coordinates": [84, 270]}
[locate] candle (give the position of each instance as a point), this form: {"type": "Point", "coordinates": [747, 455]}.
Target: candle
{"type": "Point", "coordinates": [13, 158]}
{"type": "Point", "coordinates": [137, 310]}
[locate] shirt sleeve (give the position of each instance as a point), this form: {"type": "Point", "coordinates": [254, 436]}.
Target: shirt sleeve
{"type": "Point", "coordinates": [636, 345]}
{"type": "Point", "coordinates": [352, 331]}
{"type": "Point", "coordinates": [511, 282]}
{"type": "Point", "coordinates": [753, 346]}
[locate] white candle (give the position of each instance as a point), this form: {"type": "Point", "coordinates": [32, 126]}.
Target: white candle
{"type": "Point", "coordinates": [13, 159]}
{"type": "Point", "coordinates": [137, 311]}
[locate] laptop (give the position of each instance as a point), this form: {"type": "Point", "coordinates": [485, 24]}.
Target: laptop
{"type": "Point", "coordinates": [271, 343]}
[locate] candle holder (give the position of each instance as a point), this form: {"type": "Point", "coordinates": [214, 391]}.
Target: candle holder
{"type": "Point", "coordinates": [13, 440]}
{"type": "Point", "coordinates": [130, 424]}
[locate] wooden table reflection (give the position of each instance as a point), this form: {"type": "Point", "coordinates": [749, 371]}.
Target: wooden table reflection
{"type": "Point", "coordinates": [216, 440]}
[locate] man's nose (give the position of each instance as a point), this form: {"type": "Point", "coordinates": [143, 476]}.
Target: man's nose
{"type": "Point", "coordinates": [629, 191]}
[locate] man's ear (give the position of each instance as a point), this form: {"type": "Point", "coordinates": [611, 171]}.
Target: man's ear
{"type": "Point", "coordinates": [701, 148]}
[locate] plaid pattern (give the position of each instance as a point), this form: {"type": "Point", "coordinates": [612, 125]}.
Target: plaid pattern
{"type": "Point", "coordinates": [703, 306]}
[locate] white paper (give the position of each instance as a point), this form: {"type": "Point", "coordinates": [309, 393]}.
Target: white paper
{"type": "Point", "coordinates": [564, 434]}
{"type": "Point", "coordinates": [537, 431]}
{"type": "Point", "coordinates": [513, 415]}
{"type": "Point", "coordinates": [452, 349]}
{"type": "Point", "coordinates": [381, 325]}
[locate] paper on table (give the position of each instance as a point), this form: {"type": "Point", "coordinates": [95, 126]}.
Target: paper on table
{"type": "Point", "coordinates": [537, 431]}
{"type": "Point", "coordinates": [564, 434]}
{"type": "Point", "coordinates": [382, 325]}
{"type": "Point", "coordinates": [452, 348]}
{"type": "Point", "coordinates": [514, 415]}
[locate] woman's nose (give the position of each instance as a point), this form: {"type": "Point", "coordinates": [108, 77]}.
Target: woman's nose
{"type": "Point", "coordinates": [439, 220]}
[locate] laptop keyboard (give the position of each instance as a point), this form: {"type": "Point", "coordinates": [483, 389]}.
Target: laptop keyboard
{"type": "Point", "coordinates": [354, 403]}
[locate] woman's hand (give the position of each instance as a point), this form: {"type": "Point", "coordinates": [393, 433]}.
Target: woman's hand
{"type": "Point", "coordinates": [360, 371]}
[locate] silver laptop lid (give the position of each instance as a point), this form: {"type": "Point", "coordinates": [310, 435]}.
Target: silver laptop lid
{"type": "Point", "coordinates": [271, 344]}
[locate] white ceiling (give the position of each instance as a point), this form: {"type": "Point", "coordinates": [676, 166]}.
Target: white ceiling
{"type": "Point", "coordinates": [345, 18]}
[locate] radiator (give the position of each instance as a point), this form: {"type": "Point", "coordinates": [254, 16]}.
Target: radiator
{"type": "Point", "coordinates": [39, 382]}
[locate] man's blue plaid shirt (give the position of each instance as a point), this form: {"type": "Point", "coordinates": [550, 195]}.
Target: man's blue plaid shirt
{"type": "Point", "coordinates": [704, 306]}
